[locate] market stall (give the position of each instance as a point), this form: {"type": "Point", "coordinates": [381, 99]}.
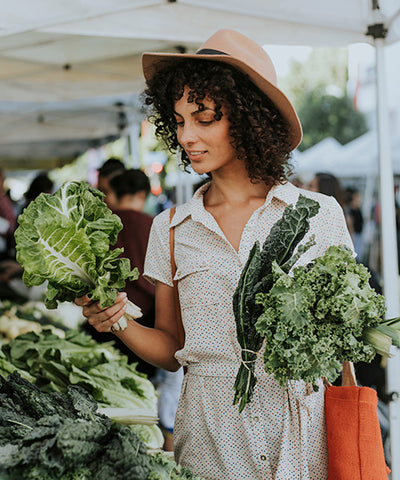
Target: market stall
{"type": "Point", "coordinates": [80, 49]}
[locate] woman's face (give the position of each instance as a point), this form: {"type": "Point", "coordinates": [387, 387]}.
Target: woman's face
{"type": "Point", "coordinates": [206, 141]}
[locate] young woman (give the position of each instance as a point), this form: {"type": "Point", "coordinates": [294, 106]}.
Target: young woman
{"type": "Point", "coordinates": [221, 107]}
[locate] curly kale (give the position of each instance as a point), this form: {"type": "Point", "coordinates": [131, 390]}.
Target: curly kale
{"type": "Point", "coordinates": [315, 320]}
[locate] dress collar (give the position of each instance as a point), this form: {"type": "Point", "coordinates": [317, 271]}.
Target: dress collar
{"type": "Point", "coordinates": [287, 193]}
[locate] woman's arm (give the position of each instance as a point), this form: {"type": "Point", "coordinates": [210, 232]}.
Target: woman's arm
{"type": "Point", "coordinates": [154, 345]}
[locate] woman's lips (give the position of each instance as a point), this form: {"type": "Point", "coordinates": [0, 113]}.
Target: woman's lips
{"type": "Point", "coordinates": [196, 155]}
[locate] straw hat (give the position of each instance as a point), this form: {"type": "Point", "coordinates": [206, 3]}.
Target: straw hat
{"type": "Point", "coordinates": [231, 47]}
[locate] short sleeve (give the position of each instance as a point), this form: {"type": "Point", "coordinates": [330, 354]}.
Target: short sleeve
{"type": "Point", "coordinates": [342, 233]}
{"type": "Point", "coordinates": [157, 265]}
{"type": "Point", "coordinates": [330, 226]}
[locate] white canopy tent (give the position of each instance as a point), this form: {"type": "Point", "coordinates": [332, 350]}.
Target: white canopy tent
{"type": "Point", "coordinates": [61, 51]}
{"type": "Point", "coordinates": [50, 134]}
{"type": "Point", "coordinates": [356, 159]}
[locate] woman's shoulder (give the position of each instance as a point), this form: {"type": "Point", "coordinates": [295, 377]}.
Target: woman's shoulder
{"type": "Point", "coordinates": [179, 213]}
{"type": "Point", "coordinates": [162, 219]}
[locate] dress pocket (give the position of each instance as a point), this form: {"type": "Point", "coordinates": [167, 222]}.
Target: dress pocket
{"type": "Point", "coordinates": [195, 284]}
{"type": "Point", "coordinates": [190, 269]}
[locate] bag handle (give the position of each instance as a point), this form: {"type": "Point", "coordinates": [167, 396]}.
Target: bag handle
{"type": "Point", "coordinates": [178, 315]}
{"type": "Point", "coordinates": [348, 375]}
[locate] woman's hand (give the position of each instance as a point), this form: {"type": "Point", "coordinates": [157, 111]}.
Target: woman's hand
{"type": "Point", "coordinates": [102, 319]}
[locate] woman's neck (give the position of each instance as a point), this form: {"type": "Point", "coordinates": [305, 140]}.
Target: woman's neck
{"type": "Point", "coordinates": [234, 190]}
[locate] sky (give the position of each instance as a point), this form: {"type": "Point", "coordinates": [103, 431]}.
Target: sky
{"type": "Point", "coordinates": [282, 55]}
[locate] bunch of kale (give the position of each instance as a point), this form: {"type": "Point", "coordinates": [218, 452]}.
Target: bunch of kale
{"type": "Point", "coordinates": [322, 315]}
{"type": "Point", "coordinates": [257, 277]}
{"type": "Point", "coordinates": [49, 436]}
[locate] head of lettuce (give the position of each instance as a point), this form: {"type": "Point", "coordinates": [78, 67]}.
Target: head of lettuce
{"type": "Point", "coordinates": [65, 239]}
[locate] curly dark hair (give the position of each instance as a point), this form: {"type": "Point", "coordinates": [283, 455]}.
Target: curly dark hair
{"type": "Point", "coordinates": [260, 134]}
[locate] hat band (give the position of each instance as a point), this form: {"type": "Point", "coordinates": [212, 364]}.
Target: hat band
{"type": "Point", "coordinates": [210, 51]}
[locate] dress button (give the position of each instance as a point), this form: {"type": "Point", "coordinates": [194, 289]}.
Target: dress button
{"type": "Point", "coordinates": [256, 419]}
{"type": "Point", "coordinates": [263, 457]}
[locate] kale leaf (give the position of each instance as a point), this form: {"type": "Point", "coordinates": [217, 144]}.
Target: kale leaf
{"type": "Point", "coordinates": [51, 436]}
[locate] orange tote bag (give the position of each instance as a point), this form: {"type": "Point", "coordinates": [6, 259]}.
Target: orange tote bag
{"type": "Point", "coordinates": [355, 449]}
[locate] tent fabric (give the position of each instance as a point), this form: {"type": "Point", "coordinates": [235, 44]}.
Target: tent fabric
{"type": "Point", "coordinates": [356, 159]}
{"type": "Point", "coordinates": [83, 50]}
{"type": "Point", "coordinates": [32, 133]}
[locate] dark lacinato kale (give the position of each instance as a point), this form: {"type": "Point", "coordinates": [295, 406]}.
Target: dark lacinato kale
{"type": "Point", "coordinates": [51, 436]}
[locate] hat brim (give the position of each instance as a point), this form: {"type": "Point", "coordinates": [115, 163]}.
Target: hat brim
{"type": "Point", "coordinates": [152, 63]}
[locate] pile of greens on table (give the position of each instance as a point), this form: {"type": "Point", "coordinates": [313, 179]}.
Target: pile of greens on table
{"type": "Point", "coordinates": [55, 363]}
{"type": "Point", "coordinates": [54, 436]}
{"type": "Point", "coordinates": [312, 320]}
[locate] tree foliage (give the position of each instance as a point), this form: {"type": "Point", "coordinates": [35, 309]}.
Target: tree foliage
{"type": "Point", "coordinates": [318, 90]}
{"type": "Point", "coordinates": [323, 115]}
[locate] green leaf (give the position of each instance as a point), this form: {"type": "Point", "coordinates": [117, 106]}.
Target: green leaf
{"type": "Point", "coordinates": [65, 239]}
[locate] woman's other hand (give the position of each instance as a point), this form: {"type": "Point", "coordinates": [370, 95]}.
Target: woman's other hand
{"type": "Point", "coordinates": [102, 319]}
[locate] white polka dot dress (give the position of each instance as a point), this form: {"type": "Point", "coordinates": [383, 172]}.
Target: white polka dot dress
{"type": "Point", "coordinates": [280, 435]}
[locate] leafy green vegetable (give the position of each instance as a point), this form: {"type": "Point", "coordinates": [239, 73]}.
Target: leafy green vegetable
{"type": "Point", "coordinates": [51, 436]}
{"type": "Point", "coordinates": [317, 319]}
{"type": "Point", "coordinates": [257, 276]}
{"type": "Point", "coordinates": [65, 238]}
{"type": "Point", "coordinates": [55, 363]}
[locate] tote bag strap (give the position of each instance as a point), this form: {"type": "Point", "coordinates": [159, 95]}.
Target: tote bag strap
{"type": "Point", "coordinates": [348, 375]}
{"type": "Point", "coordinates": [179, 324]}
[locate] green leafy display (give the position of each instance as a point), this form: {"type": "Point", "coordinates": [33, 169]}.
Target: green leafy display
{"type": "Point", "coordinates": [257, 276]}
{"type": "Point", "coordinates": [53, 436]}
{"type": "Point", "coordinates": [65, 238]}
{"type": "Point", "coordinates": [55, 363]}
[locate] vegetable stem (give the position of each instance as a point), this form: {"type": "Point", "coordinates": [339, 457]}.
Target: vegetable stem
{"type": "Point", "coordinates": [132, 312]}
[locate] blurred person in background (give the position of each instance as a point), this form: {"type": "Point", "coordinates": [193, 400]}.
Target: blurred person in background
{"type": "Point", "coordinates": [330, 185]}
{"type": "Point", "coordinates": [131, 190]}
{"type": "Point", "coordinates": [327, 184]}
{"type": "Point", "coordinates": [354, 213]}
{"type": "Point", "coordinates": [8, 220]}
{"type": "Point", "coordinates": [128, 190]}
{"type": "Point", "coordinates": [110, 168]}
{"type": "Point", "coordinates": [12, 287]}
{"type": "Point", "coordinates": [40, 184]}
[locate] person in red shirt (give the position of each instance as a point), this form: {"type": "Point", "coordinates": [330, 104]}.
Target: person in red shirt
{"type": "Point", "coordinates": [110, 168]}
{"type": "Point", "coordinates": [8, 220]}
{"type": "Point", "coordinates": [131, 189]}
{"type": "Point", "coordinates": [128, 190]}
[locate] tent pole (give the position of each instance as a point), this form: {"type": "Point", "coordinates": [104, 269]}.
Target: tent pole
{"type": "Point", "coordinates": [388, 249]}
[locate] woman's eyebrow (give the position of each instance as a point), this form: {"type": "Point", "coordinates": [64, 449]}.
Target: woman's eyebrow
{"type": "Point", "coordinates": [196, 111]}
{"type": "Point", "coordinates": [202, 110]}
